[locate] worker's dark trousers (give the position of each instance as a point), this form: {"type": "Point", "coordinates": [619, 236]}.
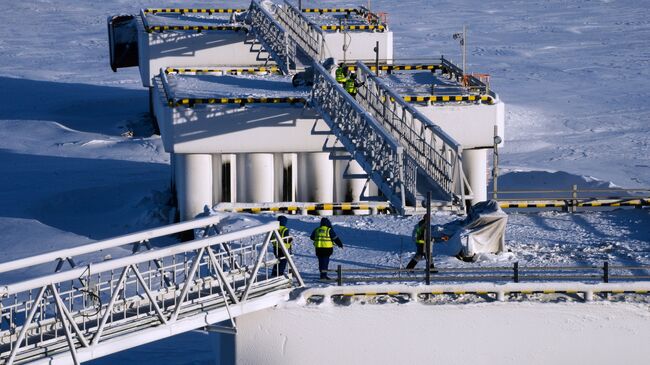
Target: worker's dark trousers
{"type": "Point", "coordinates": [282, 265]}
{"type": "Point", "coordinates": [323, 255]}
{"type": "Point", "coordinates": [419, 255]}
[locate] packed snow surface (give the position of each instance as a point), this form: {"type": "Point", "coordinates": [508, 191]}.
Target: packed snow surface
{"type": "Point", "coordinates": [411, 83]}
{"type": "Point", "coordinates": [190, 19]}
{"type": "Point", "coordinates": [227, 86]}
{"type": "Point", "coordinates": [79, 162]}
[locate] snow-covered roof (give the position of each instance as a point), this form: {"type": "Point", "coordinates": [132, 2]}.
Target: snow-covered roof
{"type": "Point", "coordinates": [420, 83]}
{"type": "Point", "coordinates": [234, 86]}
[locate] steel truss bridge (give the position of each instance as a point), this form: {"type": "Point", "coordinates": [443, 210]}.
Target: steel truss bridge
{"type": "Point", "coordinates": [99, 308]}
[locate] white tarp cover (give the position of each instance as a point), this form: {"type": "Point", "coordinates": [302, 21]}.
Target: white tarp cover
{"type": "Point", "coordinates": [482, 231]}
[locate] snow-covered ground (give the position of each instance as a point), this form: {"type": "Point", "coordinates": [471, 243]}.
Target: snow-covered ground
{"type": "Point", "coordinates": [78, 161]}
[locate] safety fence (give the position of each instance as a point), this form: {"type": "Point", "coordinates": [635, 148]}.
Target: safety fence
{"type": "Point", "coordinates": [221, 71]}
{"type": "Point", "coordinates": [304, 208]}
{"type": "Point", "coordinates": [606, 273]}
{"type": "Point", "coordinates": [104, 307]}
{"type": "Point", "coordinates": [196, 28]}
{"type": "Point", "coordinates": [487, 291]}
{"type": "Point", "coordinates": [174, 102]}
{"type": "Point", "coordinates": [193, 10]}
{"type": "Point", "coordinates": [572, 199]}
{"type": "Point", "coordinates": [379, 28]}
{"type": "Point", "coordinates": [332, 10]}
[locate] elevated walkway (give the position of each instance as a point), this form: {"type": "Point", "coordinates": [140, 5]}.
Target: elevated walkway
{"type": "Point", "coordinates": [103, 307]}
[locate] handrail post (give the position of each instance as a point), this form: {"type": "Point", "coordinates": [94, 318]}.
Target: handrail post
{"type": "Point", "coordinates": [339, 275]}
{"type": "Point", "coordinates": [515, 269]}
{"type": "Point", "coordinates": [574, 200]}
{"type": "Point", "coordinates": [427, 238]}
{"type": "Point", "coordinates": [606, 272]}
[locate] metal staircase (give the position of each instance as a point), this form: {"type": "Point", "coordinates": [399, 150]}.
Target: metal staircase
{"type": "Point", "coordinates": [108, 306]}
{"type": "Point", "coordinates": [403, 152]}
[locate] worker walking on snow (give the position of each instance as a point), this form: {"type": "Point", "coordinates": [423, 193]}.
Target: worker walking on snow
{"type": "Point", "coordinates": [324, 239]}
{"type": "Point", "coordinates": [279, 254]}
{"type": "Point", "coordinates": [419, 237]}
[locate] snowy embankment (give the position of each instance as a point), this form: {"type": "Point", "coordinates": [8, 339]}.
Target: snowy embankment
{"type": "Point", "coordinates": [78, 161]}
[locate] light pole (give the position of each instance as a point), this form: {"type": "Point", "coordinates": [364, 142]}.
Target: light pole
{"type": "Point", "coordinates": [462, 38]}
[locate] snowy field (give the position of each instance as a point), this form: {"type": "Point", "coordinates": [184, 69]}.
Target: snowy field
{"type": "Point", "coordinates": [78, 161]}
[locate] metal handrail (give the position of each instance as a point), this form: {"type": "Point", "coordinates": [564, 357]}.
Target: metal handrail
{"type": "Point", "coordinates": [370, 144]}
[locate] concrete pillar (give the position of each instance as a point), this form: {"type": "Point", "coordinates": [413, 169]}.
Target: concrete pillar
{"type": "Point", "coordinates": [278, 174]}
{"type": "Point", "coordinates": [315, 178]}
{"type": "Point", "coordinates": [475, 168]}
{"type": "Point", "coordinates": [217, 179]}
{"type": "Point", "coordinates": [255, 178]}
{"type": "Point", "coordinates": [193, 183]}
{"type": "Point", "coordinates": [232, 158]}
{"type": "Point", "coordinates": [347, 187]}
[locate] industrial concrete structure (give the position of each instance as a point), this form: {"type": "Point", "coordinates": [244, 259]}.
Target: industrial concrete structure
{"type": "Point", "coordinates": [240, 132]}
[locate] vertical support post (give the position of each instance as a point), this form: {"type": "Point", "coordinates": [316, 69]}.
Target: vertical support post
{"type": "Point", "coordinates": [427, 238]}
{"type": "Point", "coordinates": [574, 200]}
{"type": "Point", "coordinates": [300, 5]}
{"type": "Point", "coordinates": [606, 272]}
{"type": "Point", "coordinates": [377, 58]}
{"type": "Point", "coordinates": [515, 269]}
{"type": "Point", "coordinates": [339, 275]}
{"type": "Point", "coordinates": [495, 163]}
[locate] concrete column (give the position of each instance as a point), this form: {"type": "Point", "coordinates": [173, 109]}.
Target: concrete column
{"type": "Point", "coordinates": [316, 178]}
{"type": "Point", "coordinates": [255, 178]}
{"type": "Point", "coordinates": [233, 177]}
{"type": "Point", "coordinates": [217, 179]}
{"type": "Point", "coordinates": [349, 188]}
{"type": "Point", "coordinates": [278, 174]}
{"type": "Point", "coordinates": [193, 184]}
{"type": "Point", "coordinates": [475, 168]}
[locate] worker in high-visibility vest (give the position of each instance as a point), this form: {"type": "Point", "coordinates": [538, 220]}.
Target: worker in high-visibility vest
{"type": "Point", "coordinates": [324, 240]}
{"type": "Point", "coordinates": [352, 85]}
{"type": "Point", "coordinates": [419, 233]}
{"type": "Point", "coordinates": [279, 254]}
{"type": "Point", "coordinates": [340, 74]}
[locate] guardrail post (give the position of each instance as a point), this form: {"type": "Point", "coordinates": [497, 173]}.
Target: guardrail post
{"type": "Point", "coordinates": [515, 269]}
{"type": "Point", "coordinates": [427, 239]}
{"type": "Point", "coordinates": [574, 201]}
{"type": "Point", "coordinates": [339, 275]}
{"type": "Point", "coordinates": [606, 272]}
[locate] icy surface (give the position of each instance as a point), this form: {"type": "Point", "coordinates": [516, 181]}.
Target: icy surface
{"type": "Point", "coordinates": [190, 19]}
{"type": "Point", "coordinates": [411, 83]}
{"type": "Point", "coordinates": [208, 86]}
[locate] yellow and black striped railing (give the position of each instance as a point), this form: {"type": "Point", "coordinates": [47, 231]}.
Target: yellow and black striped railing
{"type": "Point", "coordinates": [308, 208]}
{"type": "Point", "coordinates": [569, 202]}
{"type": "Point", "coordinates": [379, 28]}
{"type": "Point", "coordinates": [192, 10]}
{"type": "Point", "coordinates": [196, 28]}
{"type": "Point", "coordinates": [331, 10]}
{"type": "Point", "coordinates": [231, 71]}
{"type": "Point", "coordinates": [235, 101]}
{"type": "Point", "coordinates": [413, 67]}
{"type": "Point", "coordinates": [449, 98]}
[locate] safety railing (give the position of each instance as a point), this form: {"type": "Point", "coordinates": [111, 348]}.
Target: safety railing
{"type": "Point", "coordinates": [272, 36]}
{"type": "Point", "coordinates": [499, 274]}
{"type": "Point", "coordinates": [85, 311]}
{"type": "Point", "coordinates": [572, 199]}
{"type": "Point", "coordinates": [436, 153]}
{"type": "Point", "coordinates": [308, 36]}
{"type": "Point", "coordinates": [378, 153]}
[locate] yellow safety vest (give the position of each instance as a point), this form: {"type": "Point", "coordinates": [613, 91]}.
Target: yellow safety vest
{"type": "Point", "coordinates": [340, 76]}
{"type": "Point", "coordinates": [283, 233]}
{"type": "Point", "coordinates": [419, 235]}
{"type": "Point", "coordinates": [322, 239]}
{"type": "Point", "coordinates": [350, 87]}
